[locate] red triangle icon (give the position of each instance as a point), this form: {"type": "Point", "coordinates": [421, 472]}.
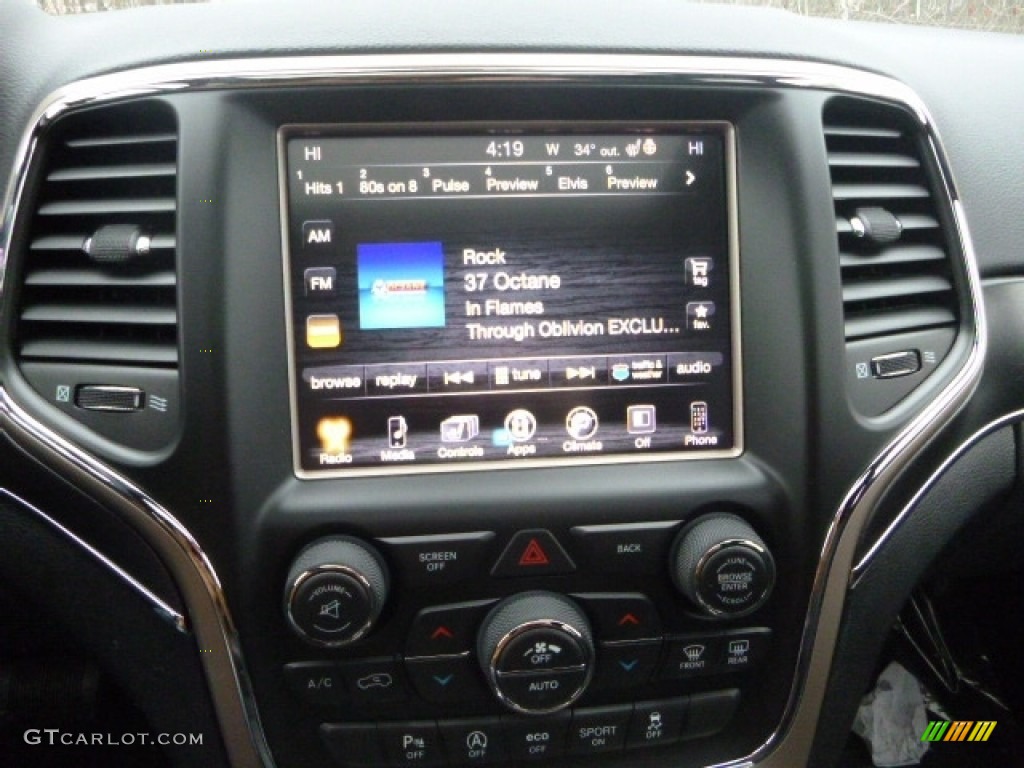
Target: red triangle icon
{"type": "Point", "coordinates": [629, 618]}
{"type": "Point", "coordinates": [442, 631]}
{"type": "Point", "coordinates": [534, 554]}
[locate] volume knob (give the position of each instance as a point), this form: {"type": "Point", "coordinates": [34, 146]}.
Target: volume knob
{"type": "Point", "coordinates": [723, 566]}
{"type": "Point", "coordinates": [335, 591]}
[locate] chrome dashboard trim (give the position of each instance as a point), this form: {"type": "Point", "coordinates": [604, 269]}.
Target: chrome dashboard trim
{"type": "Point", "coordinates": [865, 562]}
{"type": "Point", "coordinates": [160, 607]}
{"type": "Point", "coordinates": [208, 614]}
{"type": "Point", "coordinates": [790, 744]}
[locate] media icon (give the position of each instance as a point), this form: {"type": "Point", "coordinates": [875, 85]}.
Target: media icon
{"type": "Point", "coordinates": [398, 430]}
{"type": "Point", "coordinates": [581, 423]}
{"type": "Point", "coordinates": [460, 429]}
{"type": "Point", "coordinates": [521, 425]}
{"type": "Point", "coordinates": [699, 417]}
{"type": "Point", "coordinates": [334, 434]}
{"type": "Point", "coordinates": [641, 419]}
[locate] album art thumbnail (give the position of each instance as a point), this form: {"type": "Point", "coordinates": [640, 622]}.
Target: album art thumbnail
{"type": "Point", "coordinates": [401, 285]}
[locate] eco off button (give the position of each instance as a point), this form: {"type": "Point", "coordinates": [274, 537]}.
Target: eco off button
{"type": "Point", "coordinates": [442, 559]}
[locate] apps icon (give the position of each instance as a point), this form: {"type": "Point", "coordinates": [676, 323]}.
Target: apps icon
{"type": "Point", "coordinates": [698, 417]}
{"type": "Point", "coordinates": [334, 434]}
{"type": "Point", "coordinates": [460, 429]}
{"type": "Point", "coordinates": [323, 331]}
{"type": "Point", "coordinates": [521, 425]}
{"type": "Point", "coordinates": [641, 419]}
{"type": "Point", "coordinates": [398, 430]}
{"type": "Point", "coordinates": [581, 423]}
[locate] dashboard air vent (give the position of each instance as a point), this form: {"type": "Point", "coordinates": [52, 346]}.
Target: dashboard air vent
{"type": "Point", "coordinates": [99, 280]}
{"type": "Point", "coordinates": [893, 254]}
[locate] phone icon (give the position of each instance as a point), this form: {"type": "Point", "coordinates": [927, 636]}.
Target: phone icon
{"type": "Point", "coordinates": [699, 417]}
{"type": "Point", "coordinates": [398, 429]}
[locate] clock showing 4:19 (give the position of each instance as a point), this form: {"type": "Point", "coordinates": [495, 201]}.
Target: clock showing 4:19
{"type": "Point", "coordinates": [507, 148]}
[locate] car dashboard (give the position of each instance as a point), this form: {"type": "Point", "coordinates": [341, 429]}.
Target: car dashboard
{"type": "Point", "coordinates": [391, 386]}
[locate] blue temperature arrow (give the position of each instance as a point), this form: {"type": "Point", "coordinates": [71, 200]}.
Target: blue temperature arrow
{"type": "Point", "coordinates": [628, 665]}
{"type": "Point", "coordinates": [443, 680]}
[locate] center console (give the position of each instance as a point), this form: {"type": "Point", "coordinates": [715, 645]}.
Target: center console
{"type": "Point", "coordinates": [526, 522]}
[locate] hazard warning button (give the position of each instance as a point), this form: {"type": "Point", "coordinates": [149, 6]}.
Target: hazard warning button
{"type": "Point", "coordinates": [533, 553]}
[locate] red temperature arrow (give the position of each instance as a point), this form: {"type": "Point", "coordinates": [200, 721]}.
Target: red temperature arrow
{"type": "Point", "coordinates": [442, 631]}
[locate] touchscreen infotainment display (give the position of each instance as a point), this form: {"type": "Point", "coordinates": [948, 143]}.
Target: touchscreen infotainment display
{"type": "Point", "coordinates": [508, 295]}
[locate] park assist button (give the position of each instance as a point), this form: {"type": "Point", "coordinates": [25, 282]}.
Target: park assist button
{"type": "Point", "coordinates": [534, 552]}
{"type": "Point", "coordinates": [443, 559]}
{"type": "Point", "coordinates": [411, 744]}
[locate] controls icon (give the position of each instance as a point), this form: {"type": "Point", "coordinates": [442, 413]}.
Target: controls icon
{"type": "Point", "coordinates": [521, 425]}
{"type": "Point", "coordinates": [334, 434]}
{"type": "Point", "coordinates": [581, 423]}
{"type": "Point", "coordinates": [460, 429]}
{"type": "Point", "coordinates": [641, 419]}
{"type": "Point", "coordinates": [398, 430]}
{"type": "Point", "coordinates": [699, 417]}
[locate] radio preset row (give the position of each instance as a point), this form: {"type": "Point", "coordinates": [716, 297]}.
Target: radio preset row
{"type": "Point", "coordinates": [510, 293]}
